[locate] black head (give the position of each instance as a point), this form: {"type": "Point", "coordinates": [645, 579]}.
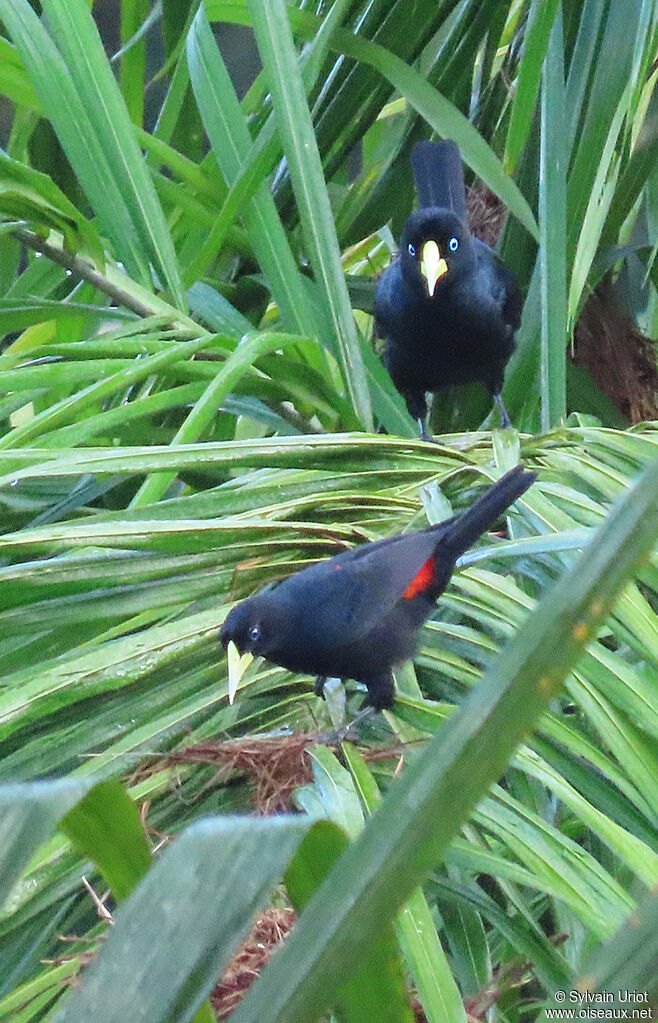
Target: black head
{"type": "Point", "coordinates": [436, 248]}
{"type": "Point", "coordinates": [254, 625]}
{"type": "Point", "coordinates": [257, 627]}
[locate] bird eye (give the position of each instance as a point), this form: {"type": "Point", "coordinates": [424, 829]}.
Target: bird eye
{"type": "Point", "coordinates": [411, 249]}
{"type": "Point", "coordinates": [254, 634]}
{"type": "Point", "coordinates": [453, 244]}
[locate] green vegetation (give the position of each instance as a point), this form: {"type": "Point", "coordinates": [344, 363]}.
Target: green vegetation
{"type": "Point", "coordinates": [191, 406]}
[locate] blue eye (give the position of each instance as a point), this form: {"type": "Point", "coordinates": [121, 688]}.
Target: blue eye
{"type": "Point", "coordinates": [453, 244]}
{"type": "Point", "coordinates": [411, 249]}
{"type": "Point", "coordinates": [254, 634]}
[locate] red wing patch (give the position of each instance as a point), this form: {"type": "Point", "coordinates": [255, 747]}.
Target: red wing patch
{"type": "Point", "coordinates": [422, 580]}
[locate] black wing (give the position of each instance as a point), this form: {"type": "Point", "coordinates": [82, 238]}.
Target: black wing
{"type": "Point", "coordinates": [502, 284]}
{"type": "Point", "coordinates": [389, 306]}
{"type": "Point", "coordinates": [439, 176]}
{"type": "Point", "coordinates": [351, 593]}
{"type": "Point", "coordinates": [348, 595]}
{"type": "Point", "coordinates": [513, 304]}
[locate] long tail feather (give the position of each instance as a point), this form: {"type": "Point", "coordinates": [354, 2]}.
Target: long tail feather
{"type": "Point", "coordinates": [439, 175]}
{"type": "Point", "coordinates": [462, 531]}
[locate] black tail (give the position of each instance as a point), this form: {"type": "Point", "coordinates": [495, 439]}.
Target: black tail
{"type": "Point", "coordinates": [439, 176]}
{"type": "Point", "coordinates": [462, 531]}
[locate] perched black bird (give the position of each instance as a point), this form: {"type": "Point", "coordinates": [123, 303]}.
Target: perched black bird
{"type": "Point", "coordinates": [447, 307]}
{"type": "Point", "coordinates": [357, 614]}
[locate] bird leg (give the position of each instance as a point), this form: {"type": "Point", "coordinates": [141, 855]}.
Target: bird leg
{"type": "Point", "coordinates": [318, 688]}
{"type": "Point", "coordinates": [417, 408]}
{"type": "Point", "coordinates": [505, 420]}
{"type": "Point", "coordinates": [424, 435]}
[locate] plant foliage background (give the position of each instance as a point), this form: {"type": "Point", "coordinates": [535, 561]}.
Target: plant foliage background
{"type": "Point", "coordinates": [191, 406]}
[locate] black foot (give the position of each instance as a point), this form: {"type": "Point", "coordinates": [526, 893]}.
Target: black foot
{"type": "Point", "coordinates": [318, 688]}
{"type": "Point", "coordinates": [505, 420]}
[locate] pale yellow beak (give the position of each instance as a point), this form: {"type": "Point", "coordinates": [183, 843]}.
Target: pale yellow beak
{"type": "Point", "coordinates": [432, 265]}
{"type": "Point", "coordinates": [237, 665]}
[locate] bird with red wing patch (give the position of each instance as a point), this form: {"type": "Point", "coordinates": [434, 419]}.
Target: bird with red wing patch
{"type": "Point", "coordinates": [357, 615]}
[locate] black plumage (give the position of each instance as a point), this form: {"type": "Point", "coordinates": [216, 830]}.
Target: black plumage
{"type": "Point", "coordinates": [357, 614]}
{"type": "Point", "coordinates": [447, 308]}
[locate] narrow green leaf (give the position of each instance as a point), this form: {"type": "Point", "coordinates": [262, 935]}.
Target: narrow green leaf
{"type": "Point", "coordinates": [115, 419]}
{"type": "Point", "coordinates": [620, 977]}
{"type": "Point", "coordinates": [468, 943]}
{"type": "Point", "coordinates": [229, 136]}
{"type": "Point", "coordinates": [217, 311]}
{"type": "Point", "coordinates": [27, 193]}
{"type": "Point", "coordinates": [266, 149]}
{"type": "Point", "coordinates": [15, 316]}
{"type": "Point", "coordinates": [637, 171]}
{"type": "Point", "coordinates": [415, 928]}
{"type": "Point", "coordinates": [241, 192]}
{"type": "Point", "coordinates": [580, 66]}
{"type": "Point", "coordinates": [528, 942]}
{"type": "Point", "coordinates": [14, 82]}
{"type": "Point", "coordinates": [313, 859]}
{"type": "Point", "coordinates": [274, 37]}
{"type": "Point", "coordinates": [553, 232]}
{"type": "Point", "coordinates": [603, 79]}
{"type": "Point", "coordinates": [573, 876]}
{"type": "Point", "coordinates": [353, 449]}
{"type": "Point", "coordinates": [387, 404]}
{"type": "Point", "coordinates": [30, 814]}
{"type": "Point", "coordinates": [61, 412]}
{"type": "Point", "coordinates": [115, 665]}
{"type": "Point", "coordinates": [334, 791]}
{"type": "Point", "coordinates": [172, 106]}
{"type": "Point", "coordinates": [375, 989]}
{"type": "Point", "coordinates": [175, 14]}
{"type": "Point", "coordinates": [49, 983]}
{"type": "Point", "coordinates": [82, 99]}
{"type": "Point", "coordinates": [598, 204]}
{"type": "Point", "coordinates": [437, 990]}
{"type": "Point", "coordinates": [541, 18]}
{"type": "Point", "coordinates": [105, 827]}
{"type": "Point", "coordinates": [133, 57]}
{"type": "Point", "coordinates": [641, 859]}
{"type": "Point", "coordinates": [205, 409]}
{"type": "Point", "coordinates": [75, 33]}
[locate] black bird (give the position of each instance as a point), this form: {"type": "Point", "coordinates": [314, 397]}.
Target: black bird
{"type": "Point", "coordinates": [447, 307]}
{"type": "Point", "coordinates": [357, 614]}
